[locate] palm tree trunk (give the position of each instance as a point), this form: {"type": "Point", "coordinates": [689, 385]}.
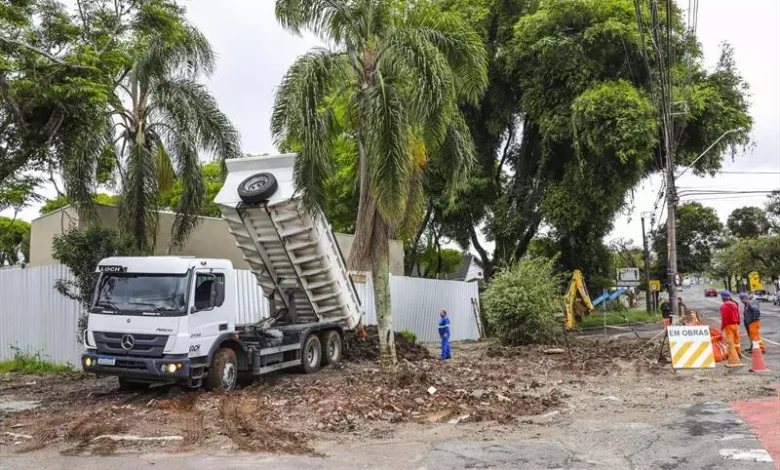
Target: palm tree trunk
{"type": "Point", "coordinates": [371, 252]}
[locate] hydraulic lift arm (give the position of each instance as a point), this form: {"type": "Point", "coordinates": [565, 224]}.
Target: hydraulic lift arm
{"type": "Point", "coordinates": [576, 300]}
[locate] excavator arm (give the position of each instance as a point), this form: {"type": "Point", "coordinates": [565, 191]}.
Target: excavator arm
{"type": "Point", "coordinates": [576, 300]}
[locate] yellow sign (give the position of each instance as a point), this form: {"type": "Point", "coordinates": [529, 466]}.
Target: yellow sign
{"type": "Point", "coordinates": [691, 347]}
{"type": "Point", "coordinates": [755, 281]}
{"type": "Point", "coordinates": [655, 285]}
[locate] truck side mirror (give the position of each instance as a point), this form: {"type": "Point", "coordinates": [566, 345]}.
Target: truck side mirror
{"type": "Point", "coordinates": [217, 294]}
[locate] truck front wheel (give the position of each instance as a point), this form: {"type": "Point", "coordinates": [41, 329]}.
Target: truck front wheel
{"type": "Point", "coordinates": [311, 356]}
{"type": "Point", "coordinates": [223, 373]}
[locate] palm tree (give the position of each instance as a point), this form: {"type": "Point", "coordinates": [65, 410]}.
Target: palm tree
{"type": "Point", "coordinates": [159, 121]}
{"type": "Point", "coordinates": [401, 68]}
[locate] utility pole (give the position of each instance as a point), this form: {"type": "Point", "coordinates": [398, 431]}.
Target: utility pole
{"type": "Point", "coordinates": [667, 125]}
{"type": "Point", "coordinates": [647, 261]}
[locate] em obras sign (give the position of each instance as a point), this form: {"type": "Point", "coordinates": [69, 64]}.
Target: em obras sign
{"type": "Point", "coordinates": [691, 347]}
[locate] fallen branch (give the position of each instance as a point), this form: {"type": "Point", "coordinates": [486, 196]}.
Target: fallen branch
{"type": "Point", "coordinates": [17, 436]}
{"type": "Point", "coordinates": [119, 438]}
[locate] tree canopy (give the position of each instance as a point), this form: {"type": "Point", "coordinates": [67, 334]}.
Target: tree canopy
{"type": "Point", "coordinates": [699, 231]}
{"type": "Point", "coordinates": [14, 241]}
{"type": "Point", "coordinates": [748, 222]}
{"type": "Point", "coordinates": [568, 125]}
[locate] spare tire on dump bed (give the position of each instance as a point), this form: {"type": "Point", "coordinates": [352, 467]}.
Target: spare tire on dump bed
{"type": "Point", "coordinates": [257, 188]}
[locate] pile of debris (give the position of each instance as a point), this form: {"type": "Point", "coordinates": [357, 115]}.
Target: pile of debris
{"type": "Point", "coordinates": [366, 348]}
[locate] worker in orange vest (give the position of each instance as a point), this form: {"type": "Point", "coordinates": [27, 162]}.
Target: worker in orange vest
{"type": "Point", "coordinates": [752, 318]}
{"type": "Point", "coordinates": [729, 320]}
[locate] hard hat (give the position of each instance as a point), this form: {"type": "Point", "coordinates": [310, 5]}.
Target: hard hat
{"type": "Point", "coordinates": [743, 295]}
{"type": "Point", "coordinates": [725, 293]}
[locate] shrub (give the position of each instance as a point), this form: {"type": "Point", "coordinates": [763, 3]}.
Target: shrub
{"type": "Point", "coordinates": [411, 337]}
{"type": "Point", "coordinates": [81, 251]}
{"type": "Point", "coordinates": [521, 303]}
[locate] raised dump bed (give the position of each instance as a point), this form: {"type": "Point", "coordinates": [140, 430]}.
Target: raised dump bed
{"type": "Point", "coordinates": [290, 249]}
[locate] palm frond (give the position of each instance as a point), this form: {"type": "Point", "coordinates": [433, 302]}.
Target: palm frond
{"type": "Point", "coordinates": [460, 44]}
{"type": "Point", "coordinates": [80, 167]}
{"type": "Point", "coordinates": [406, 55]}
{"type": "Point", "coordinates": [166, 174]}
{"type": "Point", "coordinates": [457, 153]}
{"type": "Point", "coordinates": [184, 104]}
{"type": "Point", "coordinates": [332, 20]}
{"type": "Point", "coordinates": [190, 53]}
{"type": "Point", "coordinates": [298, 116]}
{"type": "Point", "coordinates": [192, 197]}
{"type": "Point", "coordinates": [388, 141]}
{"type": "Point", "coordinates": [140, 195]}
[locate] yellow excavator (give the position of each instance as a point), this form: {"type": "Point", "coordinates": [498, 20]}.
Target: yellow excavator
{"type": "Point", "coordinates": [576, 300]}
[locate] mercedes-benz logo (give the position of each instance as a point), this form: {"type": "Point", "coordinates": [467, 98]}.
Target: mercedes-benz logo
{"type": "Point", "coordinates": [128, 342]}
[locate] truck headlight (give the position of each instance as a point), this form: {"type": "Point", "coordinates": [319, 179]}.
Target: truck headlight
{"type": "Point", "coordinates": [88, 361]}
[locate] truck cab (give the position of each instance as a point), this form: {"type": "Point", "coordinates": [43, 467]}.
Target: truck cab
{"type": "Point", "coordinates": [158, 317]}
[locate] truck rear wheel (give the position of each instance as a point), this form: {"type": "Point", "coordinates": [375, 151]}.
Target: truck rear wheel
{"type": "Point", "coordinates": [311, 356]}
{"type": "Point", "coordinates": [223, 373]}
{"type": "Point", "coordinates": [332, 348]}
{"type": "Point", "coordinates": [131, 386]}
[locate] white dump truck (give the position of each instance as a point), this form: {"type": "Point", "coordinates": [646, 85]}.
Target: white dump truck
{"type": "Point", "coordinates": [172, 319]}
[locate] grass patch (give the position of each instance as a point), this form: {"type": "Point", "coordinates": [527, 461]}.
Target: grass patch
{"type": "Point", "coordinates": [596, 318]}
{"type": "Point", "coordinates": [29, 363]}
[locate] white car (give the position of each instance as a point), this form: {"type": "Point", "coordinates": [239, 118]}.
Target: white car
{"type": "Point", "coordinates": [761, 295]}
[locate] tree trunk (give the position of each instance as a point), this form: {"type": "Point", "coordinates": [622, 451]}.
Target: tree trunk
{"type": "Point", "coordinates": [371, 252]}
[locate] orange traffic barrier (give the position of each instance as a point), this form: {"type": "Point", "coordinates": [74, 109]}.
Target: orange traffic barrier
{"type": "Point", "coordinates": [719, 349]}
{"type": "Point", "coordinates": [759, 366]}
{"type": "Point", "coordinates": [733, 357]}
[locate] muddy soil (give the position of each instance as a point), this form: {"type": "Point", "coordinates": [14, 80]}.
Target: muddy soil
{"type": "Point", "coordinates": [484, 390]}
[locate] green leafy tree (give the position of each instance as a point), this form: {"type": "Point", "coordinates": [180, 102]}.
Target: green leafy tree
{"type": "Point", "coordinates": [81, 251]}
{"type": "Point", "coordinates": [699, 231]}
{"type": "Point", "coordinates": [59, 202]}
{"type": "Point", "coordinates": [521, 302]}
{"type": "Point", "coordinates": [568, 125]}
{"type": "Point", "coordinates": [14, 241]}
{"type": "Point", "coordinates": [401, 69]}
{"type": "Point", "coordinates": [213, 179]}
{"type": "Point", "coordinates": [56, 73]}
{"type": "Point", "coordinates": [748, 222]}
{"type": "Point", "coordinates": [165, 118]}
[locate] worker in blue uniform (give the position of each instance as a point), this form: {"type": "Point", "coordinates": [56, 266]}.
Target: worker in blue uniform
{"type": "Point", "coordinates": [444, 333]}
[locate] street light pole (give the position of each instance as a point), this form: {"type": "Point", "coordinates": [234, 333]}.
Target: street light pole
{"type": "Point", "coordinates": [647, 261]}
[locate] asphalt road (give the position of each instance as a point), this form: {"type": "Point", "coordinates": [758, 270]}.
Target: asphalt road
{"type": "Point", "coordinates": [693, 437]}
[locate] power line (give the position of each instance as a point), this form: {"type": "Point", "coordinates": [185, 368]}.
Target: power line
{"type": "Point", "coordinates": [749, 172]}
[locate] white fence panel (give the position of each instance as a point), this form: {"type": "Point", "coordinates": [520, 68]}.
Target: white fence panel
{"type": "Point", "coordinates": [416, 303]}
{"type": "Point", "coordinates": [36, 318]}
{"type": "Point", "coordinates": [252, 305]}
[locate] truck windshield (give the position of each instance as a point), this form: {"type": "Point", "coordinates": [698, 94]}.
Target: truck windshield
{"type": "Point", "coordinates": [130, 292]}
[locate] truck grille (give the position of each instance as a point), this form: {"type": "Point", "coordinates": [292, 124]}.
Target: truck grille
{"type": "Point", "coordinates": [142, 345]}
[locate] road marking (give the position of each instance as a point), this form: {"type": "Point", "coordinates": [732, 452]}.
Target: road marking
{"type": "Point", "coordinates": [753, 455]}
{"type": "Point", "coordinates": [732, 437]}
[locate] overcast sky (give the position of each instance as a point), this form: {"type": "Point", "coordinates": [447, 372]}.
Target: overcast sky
{"type": "Point", "coordinates": [254, 53]}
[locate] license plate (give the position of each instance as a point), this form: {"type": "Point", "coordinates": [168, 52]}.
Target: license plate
{"type": "Point", "coordinates": [106, 361]}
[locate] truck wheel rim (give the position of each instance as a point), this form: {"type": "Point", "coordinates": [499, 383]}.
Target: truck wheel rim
{"type": "Point", "coordinates": [228, 375]}
{"type": "Point", "coordinates": [312, 355]}
{"type": "Point", "coordinates": [334, 349]}
{"type": "Point", "coordinates": [257, 182]}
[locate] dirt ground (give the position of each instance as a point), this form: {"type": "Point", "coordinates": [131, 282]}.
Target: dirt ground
{"type": "Point", "coordinates": [485, 390]}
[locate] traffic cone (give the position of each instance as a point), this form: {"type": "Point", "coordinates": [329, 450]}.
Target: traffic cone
{"type": "Point", "coordinates": [759, 366]}
{"type": "Point", "coordinates": [733, 357]}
